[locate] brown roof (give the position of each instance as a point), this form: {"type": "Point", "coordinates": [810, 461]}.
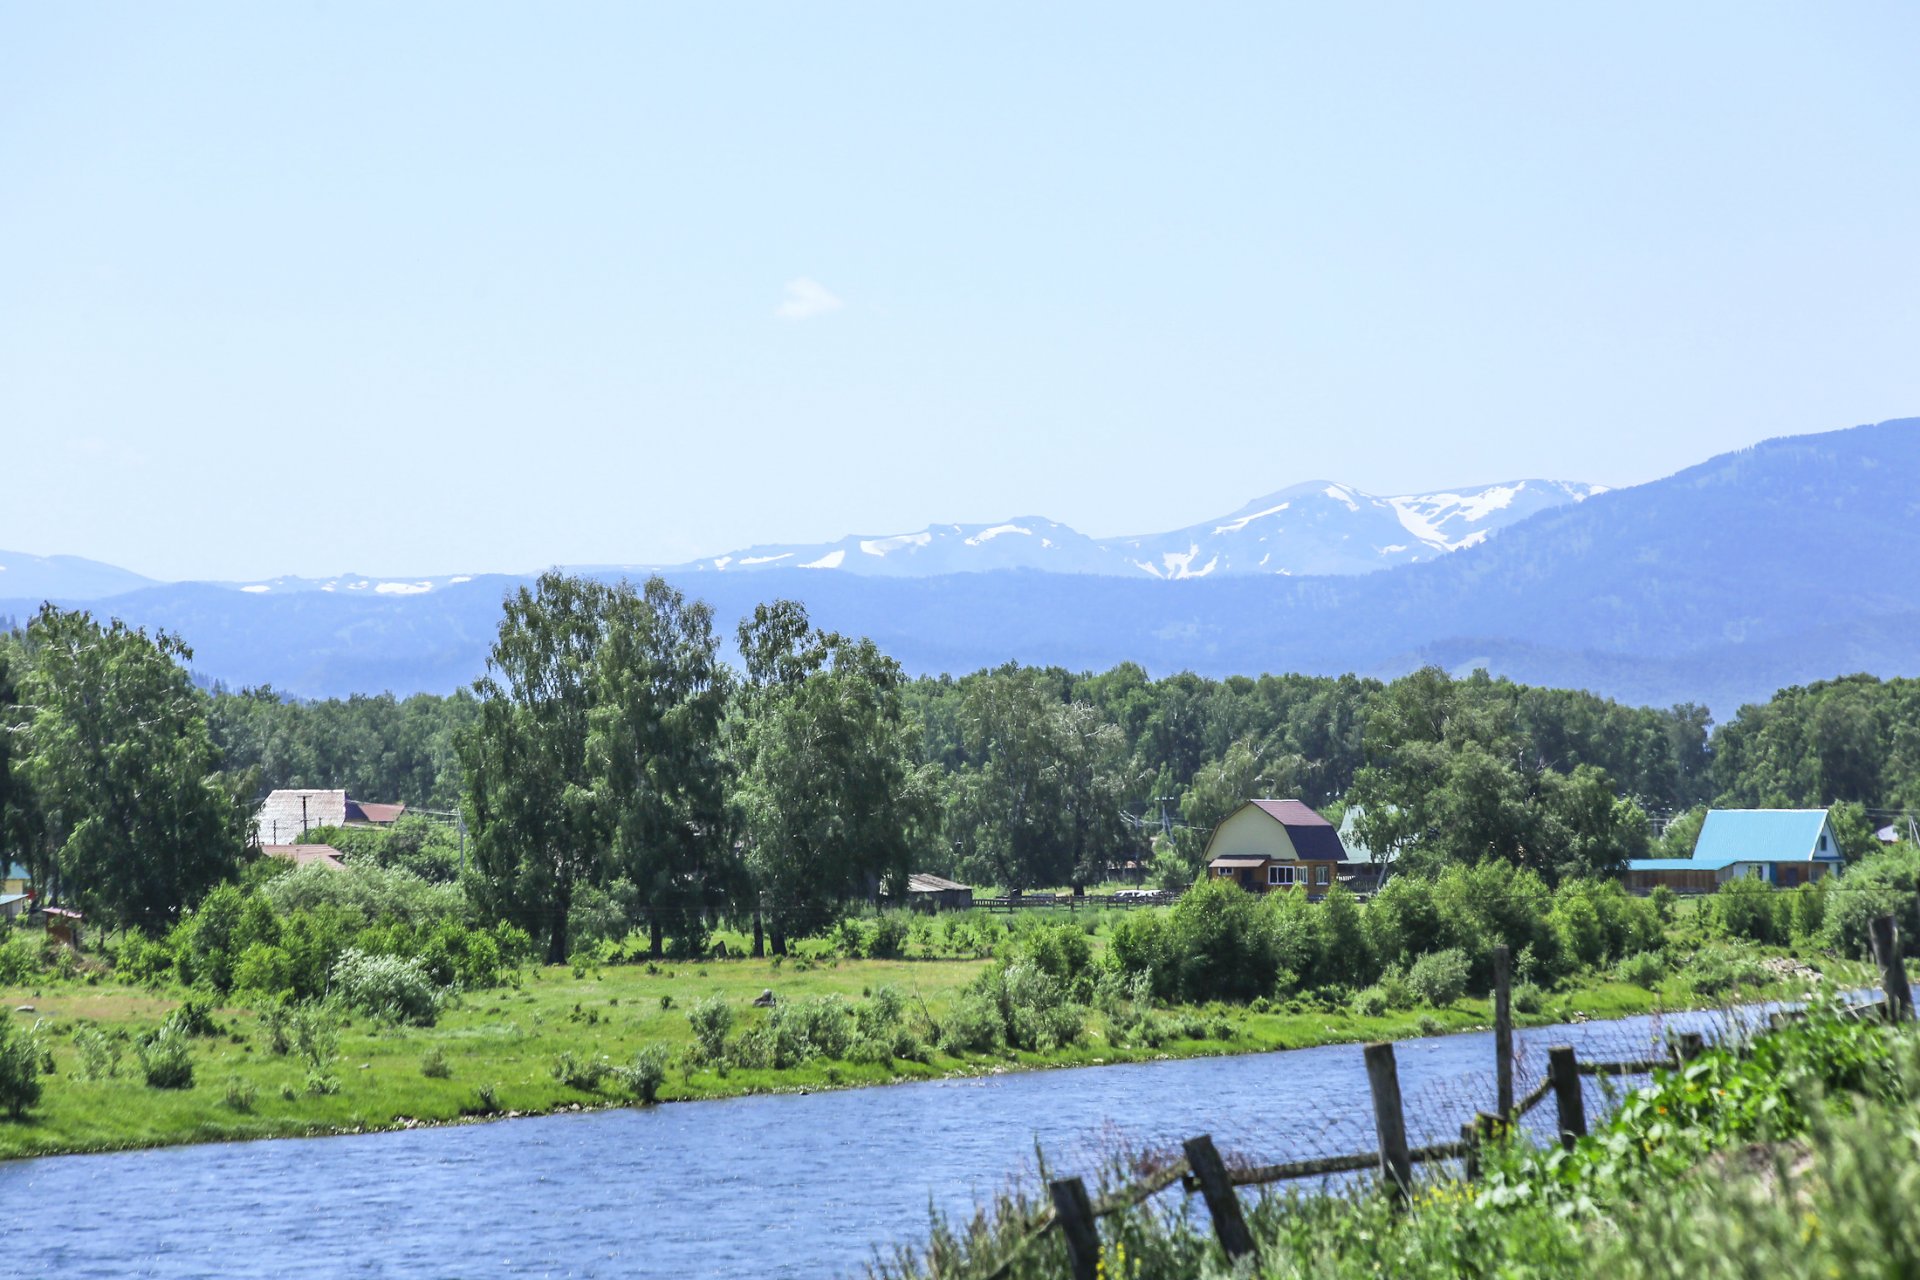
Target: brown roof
{"type": "Point", "coordinates": [1314, 838]}
{"type": "Point", "coordinates": [305, 854]}
{"type": "Point", "coordinates": [378, 814]}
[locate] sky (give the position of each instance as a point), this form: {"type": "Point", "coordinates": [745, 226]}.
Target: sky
{"type": "Point", "coordinates": [316, 287]}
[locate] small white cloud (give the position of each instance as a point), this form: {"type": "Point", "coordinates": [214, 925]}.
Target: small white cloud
{"type": "Point", "coordinates": [806, 299]}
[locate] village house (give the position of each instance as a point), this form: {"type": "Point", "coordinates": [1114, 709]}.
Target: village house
{"type": "Point", "coordinates": [1784, 847]}
{"type": "Point", "coordinates": [284, 817]}
{"type": "Point", "coordinates": [1276, 844]}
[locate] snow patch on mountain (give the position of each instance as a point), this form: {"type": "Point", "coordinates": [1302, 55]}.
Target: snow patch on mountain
{"type": "Point", "coordinates": [999, 530]}
{"type": "Point", "coordinates": [899, 542]}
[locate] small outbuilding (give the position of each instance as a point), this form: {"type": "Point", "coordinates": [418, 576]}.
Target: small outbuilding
{"type": "Point", "coordinates": [1276, 844]}
{"type": "Point", "coordinates": [936, 893]}
{"type": "Point", "coordinates": [1784, 847]}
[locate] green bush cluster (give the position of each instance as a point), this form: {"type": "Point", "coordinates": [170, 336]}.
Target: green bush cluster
{"type": "Point", "coordinates": [387, 987]}
{"type": "Point", "coordinates": [21, 1058]}
{"type": "Point", "coordinates": [1220, 943]}
{"type": "Point", "coordinates": [284, 939]}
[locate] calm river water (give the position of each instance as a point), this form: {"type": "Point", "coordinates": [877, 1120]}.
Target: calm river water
{"type": "Point", "coordinates": [771, 1186]}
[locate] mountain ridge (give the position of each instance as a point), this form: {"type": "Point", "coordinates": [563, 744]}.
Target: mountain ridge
{"type": "Point", "coordinates": [1792, 560]}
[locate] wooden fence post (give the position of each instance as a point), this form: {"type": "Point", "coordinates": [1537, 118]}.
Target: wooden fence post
{"type": "Point", "coordinates": [1503, 1029]}
{"type": "Point", "coordinates": [1478, 1133]}
{"type": "Point", "coordinates": [1390, 1121]}
{"type": "Point", "coordinates": [1893, 970]}
{"type": "Point", "coordinates": [1074, 1212]}
{"type": "Point", "coordinates": [1689, 1045]}
{"type": "Point", "coordinates": [1211, 1173]}
{"type": "Point", "coordinates": [1564, 1070]}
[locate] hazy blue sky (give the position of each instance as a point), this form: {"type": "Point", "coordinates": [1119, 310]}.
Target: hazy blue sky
{"type": "Point", "coordinates": [323, 287]}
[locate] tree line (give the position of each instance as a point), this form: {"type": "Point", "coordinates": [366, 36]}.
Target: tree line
{"type": "Point", "coordinates": [617, 751]}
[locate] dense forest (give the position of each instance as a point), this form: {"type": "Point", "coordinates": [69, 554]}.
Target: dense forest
{"type": "Point", "coordinates": [613, 759]}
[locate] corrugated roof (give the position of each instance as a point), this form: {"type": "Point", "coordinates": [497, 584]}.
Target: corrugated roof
{"type": "Point", "coordinates": [1672, 864]}
{"type": "Point", "coordinates": [1762, 835]}
{"type": "Point", "coordinates": [1225, 861]}
{"type": "Point", "coordinates": [921, 883]}
{"type": "Point", "coordinates": [368, 811]}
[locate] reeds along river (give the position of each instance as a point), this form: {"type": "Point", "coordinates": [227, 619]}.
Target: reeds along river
{"type": "Point", "coordinates": [791, 1185]}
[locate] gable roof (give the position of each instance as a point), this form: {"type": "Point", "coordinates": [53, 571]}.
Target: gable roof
{"type": "Point", "coordinates": [1314, 839]}
{"type": "Point", "coordinates": [1762, 835]}
{"type": "Point", "coordinates": [921, 882]}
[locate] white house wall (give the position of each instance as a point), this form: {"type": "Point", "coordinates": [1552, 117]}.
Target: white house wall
{"type": "Point", "coordinates": [1249, 833]}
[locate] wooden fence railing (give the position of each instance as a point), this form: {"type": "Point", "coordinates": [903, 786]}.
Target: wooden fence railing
{"type": "Point", "coordinates": [1200, 1168]}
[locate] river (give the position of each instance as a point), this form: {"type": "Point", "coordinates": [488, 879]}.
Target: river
{"type": "Point", "coordinates": [779, 1186]}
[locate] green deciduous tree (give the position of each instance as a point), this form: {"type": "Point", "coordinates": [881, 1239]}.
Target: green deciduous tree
{"type": "Point", "coordinates": [828, 799]}
{"type": "Point", "coordinates": [539, 828]}
{"type": "Point", "coordinates": [139, 822]}
{"type": "Point", "coordinates": [660, 695]}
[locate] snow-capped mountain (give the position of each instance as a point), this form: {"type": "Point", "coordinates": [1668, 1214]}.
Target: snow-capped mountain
{"type": "Point", "coordinates": [350, 584]}
{"type": "Point", "coordinates": [1318, 527]}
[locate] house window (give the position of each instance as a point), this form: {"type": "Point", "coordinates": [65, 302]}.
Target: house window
{"type": "Point", "coordinates": [1322, 875]}
{"type": "Point", "coordinates": [1823, 842]}
{"type": "Point", "coordinates": [1280, 876]}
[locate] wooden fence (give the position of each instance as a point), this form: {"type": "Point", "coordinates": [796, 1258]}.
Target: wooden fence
{"type": "Point", "coordinates": [1075, 1215]}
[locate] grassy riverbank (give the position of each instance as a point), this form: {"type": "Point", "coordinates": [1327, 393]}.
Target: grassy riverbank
{"type": "Point", "coordinates": [500, 1046]}
{"type": "Point", "coordinates": [1794, 1155]}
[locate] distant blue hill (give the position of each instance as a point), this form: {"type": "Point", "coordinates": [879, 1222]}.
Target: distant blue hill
{"type": "Point", "coordinates": [1797, 559]}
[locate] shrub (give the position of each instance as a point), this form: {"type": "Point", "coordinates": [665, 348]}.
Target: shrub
{"type": "Point", "coordinates": [265, 969]}
{"type": "Point", "coordinates": [1747, 908]}
{"type": "Point", "coordinates": [648, 1072]}
{"type": "Point", "coordinates": [99, 1054]}
{"type": "Point", "coordinates": [21, 1058]}
{"type": "Point", "coordinates": [822, 1027]}
{"type": "Point", "coordinates": [1716, 970]}
{"type": "Point", "coordinates": [241, 1094]}
{"type": "Point", "coordinates": [1370, 1002]}
{"type": "Point", "coordinates": [322, 1085]}
{"type": "Point", "coordinates": [314, 1033]}
{"type": "Point", "coordinates": [1439, 977]}
{"type": "Point", "coordinates": [194, 1018]}
{"type": "Point", "coordinates": [1398, 991]}
{"type": "Point", "coordinates": [1644, 969]}
{"type": "Point", "coordinates": [889, 936]}
{"type": "Point", "coordinates": [585, 1074]}
{"type": "Point", "coordinates": [712, 1022]}
{"type": "Point", "coordinates": [1431, 1026]}
{"type": "Point", "coordinates": [434, 1064]}
{"type": "Point", "coordinates": [1220, 944]}
{"type": "Point", "coordinates": [19, 960]}
{"type": "Point", "coordinates": [166, 1058]}
{"type": "Point", "coordinates": [1527, 998]}
{"type": "Point", "coordinates": [387, 987]}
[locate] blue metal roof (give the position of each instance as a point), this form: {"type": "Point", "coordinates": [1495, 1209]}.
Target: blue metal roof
{"type": "Point", "coordinates": [16, 871]}
{"type": "Point", "coordinates": [1763, 835]}
{"type": "Point", "coordinates": [1672, 864]}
